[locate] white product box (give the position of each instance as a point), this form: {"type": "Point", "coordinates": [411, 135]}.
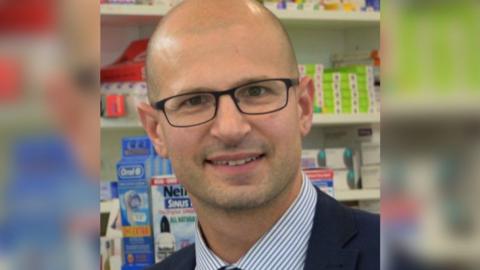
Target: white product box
{"type": "Point", "coordinates": [173, 218]}
{"type": "Point", "coordinates": [345, 179]}
{"type": "Point", "coordinates": [370, 176]}
{"type": "Point", "coordinates": [292, 6]}
{"type": "Point", "coordinates": [370, 153]}
{"type": "Point", "coordinates": [301, 69]}
{"type": "Point", "coordinates": [337, 158]}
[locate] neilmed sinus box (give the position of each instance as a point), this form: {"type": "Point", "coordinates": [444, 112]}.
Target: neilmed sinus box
{"type": "Point", "coordinates": [173, 217]}
{"type": "Point", "coordinates": [134, 171]}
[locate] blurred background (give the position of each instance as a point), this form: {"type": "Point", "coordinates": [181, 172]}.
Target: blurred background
{"type": "Point", "coordinates": [50, 133]}
{"type": "Point", "coordinates": [431, 134]}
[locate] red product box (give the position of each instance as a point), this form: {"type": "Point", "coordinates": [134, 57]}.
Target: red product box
{"type": "Point", "coordinates": [115, 106]}
{"type": "Point", "coordinates": [322, 178]}
{"type": "Point", "coordinates": [130, 66]}
{"type": "Point", "coordinates": [10, 80]}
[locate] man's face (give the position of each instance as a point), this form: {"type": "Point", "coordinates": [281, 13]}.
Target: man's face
{"type": "Point", "coordinates": [269, 145]}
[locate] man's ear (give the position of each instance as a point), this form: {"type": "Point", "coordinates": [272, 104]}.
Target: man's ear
{"type": "Point", "coordinates": [149, 118]}
{"type": "Point", "coordinates": [305, 96]}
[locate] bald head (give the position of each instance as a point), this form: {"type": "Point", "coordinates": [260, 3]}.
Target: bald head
{"type": "Point", "coordinates": [211, 43]}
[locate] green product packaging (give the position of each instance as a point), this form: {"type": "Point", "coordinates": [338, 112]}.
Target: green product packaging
{"type": "Point", "coordinates": [329, 77]}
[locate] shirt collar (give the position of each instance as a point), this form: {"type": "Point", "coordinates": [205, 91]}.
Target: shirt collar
{"type": "Point", "coordinates": [282, 247]}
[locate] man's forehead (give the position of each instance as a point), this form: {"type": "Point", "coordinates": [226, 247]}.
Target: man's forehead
{"type": "Point", "coordinates": [218, 60]}
{"type": "Point", "coordinates": [186, 48]}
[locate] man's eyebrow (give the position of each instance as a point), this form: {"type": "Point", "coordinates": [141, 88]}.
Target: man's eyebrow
{"type": "Point", "coordinates": [238, 83]}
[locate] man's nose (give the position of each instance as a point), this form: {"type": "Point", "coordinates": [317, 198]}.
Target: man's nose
{"type": "Point", "coordinates": [230, 125]}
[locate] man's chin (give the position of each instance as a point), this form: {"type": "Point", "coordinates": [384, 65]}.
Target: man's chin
{"type": "Point", "coordinates": [238, 200]}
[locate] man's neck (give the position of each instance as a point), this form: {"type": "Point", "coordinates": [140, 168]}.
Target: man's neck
{"type": "Point", "coordinates": [230, 234]}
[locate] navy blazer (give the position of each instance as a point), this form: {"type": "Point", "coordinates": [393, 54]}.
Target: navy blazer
{"type": "Point", "coordinates": [341, 238]}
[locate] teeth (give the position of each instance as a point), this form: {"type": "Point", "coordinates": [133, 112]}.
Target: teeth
{"type": "Point", "coordinates": [234, 162]}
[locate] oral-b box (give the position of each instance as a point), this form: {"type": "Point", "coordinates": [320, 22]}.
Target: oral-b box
{"type": "Point", "coordinates": [134, 171]}
{"type": "Point", "coordinates": [136, 223]}
{"type": "Point", "coordinates": [137, 161]}
{"type": "Point", "coordinates": [322, 179]}
{"type": "Point", "coordinates": [173, 216]}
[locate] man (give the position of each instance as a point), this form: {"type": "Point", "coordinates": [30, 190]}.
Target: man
{"type": "Point", "coordinates": [237, 151]}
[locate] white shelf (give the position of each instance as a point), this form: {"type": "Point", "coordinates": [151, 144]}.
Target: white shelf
{"type": "Point", "coordinates": [132, 15]}
{"type": "Point", "coordinates": [331, 19]}
{"type": "Point", "coordinates": [318, 120]}
{"type": "Point", "coordinates": [133, 10]}
{"type": "Point", "coordinates": [345, 119]}
{"type": "Point", "coordinates": [358, 195]}
{"type": "Point", "coordinates": [119, 124]}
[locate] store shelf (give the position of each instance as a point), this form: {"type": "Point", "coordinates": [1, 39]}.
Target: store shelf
{"type": "Point", "coordinates": [331, 19]}
{"type": "Point", "coordinates": [423, 106]}
{"type": "Point", "coordinates": [358, 195]}
{"type": "Point", "coordinates": [133, 10]}
{"type": "Point", "coordinates": [318, 120]}
{"type": "Point", "coordinates": [345, 119]}
{"type": "Point", "coordinates": [132, 15]}
{"type": "Point", "coordinates": [120, 124]}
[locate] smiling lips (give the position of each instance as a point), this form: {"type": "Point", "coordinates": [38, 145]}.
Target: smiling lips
{"type": "Point", "coordinates": [233, 160]}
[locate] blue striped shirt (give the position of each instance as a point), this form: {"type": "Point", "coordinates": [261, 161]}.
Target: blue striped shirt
{"type": "Point", "coordinates": [283, 247]}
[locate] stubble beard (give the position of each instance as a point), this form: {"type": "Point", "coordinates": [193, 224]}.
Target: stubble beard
{"type": "Point", "coordinates": [279, 180]}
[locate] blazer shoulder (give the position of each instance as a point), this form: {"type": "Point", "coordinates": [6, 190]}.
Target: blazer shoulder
{"type": "Point", "coordinates": [183, 259]}
{"type": "Point", "coordinates": [368, 231]}
{"type": "Point", "coordinates": [366, 222]}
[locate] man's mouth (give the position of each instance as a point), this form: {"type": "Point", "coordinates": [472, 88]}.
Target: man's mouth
{"type": "Point", "coordinates": [234, 160]}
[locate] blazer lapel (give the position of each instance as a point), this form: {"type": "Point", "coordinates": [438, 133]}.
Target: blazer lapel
{"type": "Point", "coordinates": [333, 227]}
{"type": "Point", "coordinates": [186, 261]}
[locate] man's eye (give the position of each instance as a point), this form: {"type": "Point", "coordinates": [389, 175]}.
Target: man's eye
{"type": "Point", "coordinates": [255, 91]}
{"type": "Point", "coordinates": [195, 101]}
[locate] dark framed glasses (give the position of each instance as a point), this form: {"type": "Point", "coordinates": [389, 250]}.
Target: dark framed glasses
{"type": "Point", "coordinates": [259, 97]}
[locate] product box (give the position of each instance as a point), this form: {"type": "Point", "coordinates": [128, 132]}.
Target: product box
{"type": "Point", "coordinates": [134, 171]}
{"type": "Point", "coordinates": [345, 179]}
{"type": "Point", "coordinates": [310, 158]}
{"type": "Point", "coordinates": [336, 158]}
{"type": "Point", "coordinates": [370, 153]}
{"type": "Point", "coordinates": [370, 176]}
{"type": "Point", "coordinates": [359, 96]}
{"type": "Point", "coordinates": [173, 216]}
{"type": "Point", "coordinates": [133, 93]}
{"type": "Point", "coordinates": [315, 72]}
{"type": "Point", "coordinates": [138, 159]}
{"type": "Point", "coordinates": [130, 66]}
{"type": "Point", "coordinates": [322, 179]}
{"type": "Point", "coordinates": [108, 190]}
{"type": "Point", "coordinates": [136, 224]}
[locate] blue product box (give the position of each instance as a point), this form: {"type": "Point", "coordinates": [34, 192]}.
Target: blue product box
{"type": "Point", "coordinates": [375, 4]}
{"type": "Point", "coordinates": [138, 159]}
{"type": "Point", "coordinates": [108, 190]}
{"type": "Point", "coordinates": [134, 171]}
{"type": "Point", "coordinates": [136, 222]}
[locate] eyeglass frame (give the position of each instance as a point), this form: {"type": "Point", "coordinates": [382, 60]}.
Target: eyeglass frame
{"type": "Point", "coordinates": [289, 83]}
